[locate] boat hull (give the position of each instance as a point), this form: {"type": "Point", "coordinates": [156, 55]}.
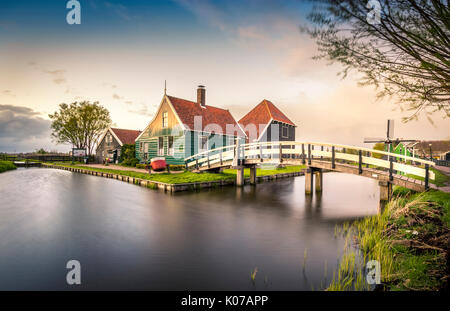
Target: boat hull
{"type": "Point", "coordinates": [158, 164]}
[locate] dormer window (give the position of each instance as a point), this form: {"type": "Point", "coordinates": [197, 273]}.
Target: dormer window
{"type": "Point", "coordinates": [165, 119]}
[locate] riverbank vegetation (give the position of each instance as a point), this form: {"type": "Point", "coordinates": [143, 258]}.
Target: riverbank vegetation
{"type": "Point", "coordinates": [6, 166]}
{"type": "Point", "coordinates": [186, 176]}
{"type": "Point", "coordinates": [410, 240]}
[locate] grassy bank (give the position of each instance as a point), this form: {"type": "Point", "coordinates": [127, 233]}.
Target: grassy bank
{"type": "Point", "coordinates": [440, 179]}
{"type": "Point", "coordinates": [410, 240]}
{"type": "Point", "coordinates": [184, 177]}
{"type": "Point", "coordinates": [6, 166]}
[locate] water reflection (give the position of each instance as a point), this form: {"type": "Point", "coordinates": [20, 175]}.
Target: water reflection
{"type": "Point", "coordinates": [128, 237]}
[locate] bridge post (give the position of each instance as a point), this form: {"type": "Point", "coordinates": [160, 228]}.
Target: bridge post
{"type": "Point", "coordinates": [385, 194]}
{"type": "Point", "coordinates": [309, 154]}
{"type": "Point", "coordinates": [391, 169]}
{"type": "Point", "coordinates": [308, 180]}
{"type": "Point", "coordinates": [253, 175]}
{"type": "Point", "coordinates": [360, 162]}
{"type": "Point", "coordinates": [281, 153]}
{"type": "Point", "coordinates": [260, 153]}
{"type": "Point", "coordinates": [318, 173]}
{"type": "Point", "coordinates": [240, 176]}
{"type": "Point", "coordinates": [333, 158]}
{"type": "Point", "coordinates": [303, 154]}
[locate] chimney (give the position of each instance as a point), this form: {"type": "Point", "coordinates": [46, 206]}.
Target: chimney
{"type": "Point", "coordinates": [201, 94]}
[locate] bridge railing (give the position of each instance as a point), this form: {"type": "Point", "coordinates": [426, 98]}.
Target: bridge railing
{"type": "Point", "coordinates": [211, 157]}
{"type": "Point", "coordinates": [307, 151]}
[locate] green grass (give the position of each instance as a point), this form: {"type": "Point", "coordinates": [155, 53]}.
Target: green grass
{"type": "Point", "coordinates": [179, 178]}
{"type": "Point", "coordinates": [409, 218]}
{"type": "Point", "coordinates": [268, 171]}
{"type": "Point", "coordinates": [6, 166]}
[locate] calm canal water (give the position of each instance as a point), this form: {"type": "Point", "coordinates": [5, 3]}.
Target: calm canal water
{"type": "Point", "coordinates": [131, 238]}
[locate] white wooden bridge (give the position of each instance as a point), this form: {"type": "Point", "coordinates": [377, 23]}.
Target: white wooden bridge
{"type": "Point", "coordinates": [388, 168]}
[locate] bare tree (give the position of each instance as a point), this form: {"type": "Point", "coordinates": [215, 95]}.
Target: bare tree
{"type": "Point", "coordinates": [400, 46]}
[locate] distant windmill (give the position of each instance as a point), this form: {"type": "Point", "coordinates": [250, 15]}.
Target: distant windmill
{"type": "Point", "coordinates": [389, 137]}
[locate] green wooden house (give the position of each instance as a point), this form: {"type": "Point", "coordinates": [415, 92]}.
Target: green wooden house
{"type": "Point", "coordinates": [182, 128]}
{"type": "Point", "coordinates": [401, 149]}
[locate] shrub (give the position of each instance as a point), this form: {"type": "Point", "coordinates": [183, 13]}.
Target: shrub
{"type": "Point", "coordinates": [6, 166]}
{"type": "Point", "coordinates": [130, 162]}
{"type": "Point", "coordinates": [176, 167]}
{"type": "Point", "coordinates": [128, 155]}
{"type": "Point", "coordinates": [140, 165]}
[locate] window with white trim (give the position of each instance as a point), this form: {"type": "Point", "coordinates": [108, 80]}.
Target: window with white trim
{"type": "Point", "coordinates": [170, 150]}
{"type": "Point", "coordinates": [161, 146]}
{"type": "Point", "coordinates": [231, 140]}
{"type": "Point", "coordinates": [165, 119]}
{"type": "Point", "coordinates": [145, 151]}
{"type": "Point", "coordinates": [202, 143]}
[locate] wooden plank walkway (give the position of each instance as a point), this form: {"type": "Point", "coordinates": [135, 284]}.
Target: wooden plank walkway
{"type": "Point", "coordinates": [393, 168]}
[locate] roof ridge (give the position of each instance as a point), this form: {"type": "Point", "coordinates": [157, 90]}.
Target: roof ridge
{"type": "Point", "coordinates": [268, 109]}
{"type": "Point", "coordinates": [118, 128]}
{"type": "Point", "coordinates": [215, 107]}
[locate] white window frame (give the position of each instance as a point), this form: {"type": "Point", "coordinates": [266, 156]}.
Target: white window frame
{"type": "Point", "coordinates": [231, 140]}
{"type": "Point", "coordinates": [200, 145]}
{"type": "Point", "coordinates": [160, 150]}
{"type": "Point", "coordinates": [145, 150]}
{"type": "Point", "coordinates": [170, 150]}
{"type": "Point", "coordinates": [165, 119]}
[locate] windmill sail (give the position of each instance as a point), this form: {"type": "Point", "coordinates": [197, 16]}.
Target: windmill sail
{"type": "Point", "coordinates": [374, 140]}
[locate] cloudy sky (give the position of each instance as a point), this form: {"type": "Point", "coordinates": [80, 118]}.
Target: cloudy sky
{"type": "Point", "coordinates": [120, 55]}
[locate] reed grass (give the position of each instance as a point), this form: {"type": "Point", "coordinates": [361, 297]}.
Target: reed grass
{"type": "Point", "coordinates": [253, 274]}
{"type": "Point", "coordinates": [401, 268]}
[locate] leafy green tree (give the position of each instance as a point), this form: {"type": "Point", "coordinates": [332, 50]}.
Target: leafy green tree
{"type": "Point", "coordinates": [378, 146]}
{"type": "Point", "coordinates": [400, 46]}
{"type": "Point", "coordinates": [128, 155]}
{"type": "Point", "coordinates": [41, 151]}
{"type": "Point", "coordinates": [80, 124]}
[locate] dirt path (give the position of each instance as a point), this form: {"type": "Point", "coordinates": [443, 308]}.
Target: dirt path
{"type": "Point", "coordinates": [445, 170]}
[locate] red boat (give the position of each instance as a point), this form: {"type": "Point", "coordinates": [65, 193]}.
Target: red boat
{"type": "Point", "coordinates": [158, 164]}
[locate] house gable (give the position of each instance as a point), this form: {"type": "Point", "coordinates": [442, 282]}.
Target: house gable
{"type": "Point", "coordinates": [267, 119]}
{"type": "Point", "coordinates": [155, 127]}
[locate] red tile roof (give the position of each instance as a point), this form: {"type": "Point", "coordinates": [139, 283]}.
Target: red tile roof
{"type": "Point", "coordinates": [187, 110]}
{"type": "Point", "coordinates": [126, 136]}
{"type": "Point", "coordinates": [262, 114]}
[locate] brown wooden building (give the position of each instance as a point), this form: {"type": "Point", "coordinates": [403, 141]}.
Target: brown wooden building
{"type": "Point", "coordinates": [111, 142]}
